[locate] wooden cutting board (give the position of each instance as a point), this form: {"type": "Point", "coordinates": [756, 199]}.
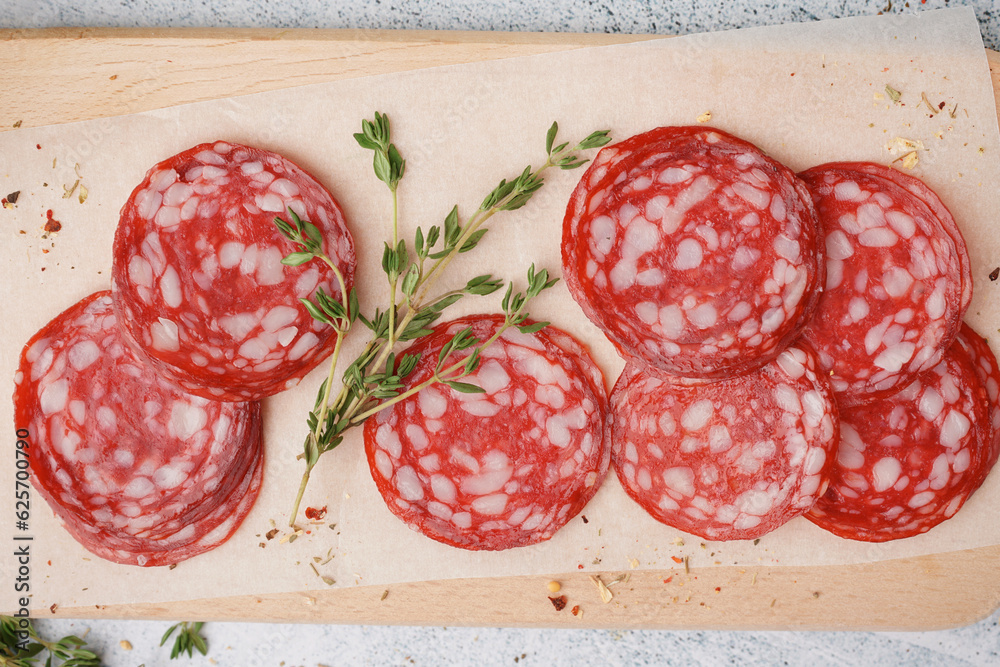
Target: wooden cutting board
{"type": "Point", "coordinates": [63, 75]}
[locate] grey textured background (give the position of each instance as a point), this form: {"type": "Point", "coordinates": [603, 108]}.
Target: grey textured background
{"type": "Point", "coordinates": [668, 17]}
{"type": "Point", "coordinates": [247, 644]}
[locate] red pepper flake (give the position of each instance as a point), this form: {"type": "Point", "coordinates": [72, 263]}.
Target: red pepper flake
{"type": "Point", "coordinates": [580, 566]}
{"type": "Point", "coordinates": [50, 562]}
{"type": "Point", "coordinates": [718, 589]}
{"type": "Point", "coordinates": [314, 514]}
{"type": "Point", "coordinates": [584, 517]}
{"type": "Point", "coordinates": [995, 273]}
{"type": "Point", "coordinates": [53, 607]}
{"type": "Point", "coordinates": [51, 224]}
{"type": "Point", "coordinates": [792, 74]}
{"type": "Point", "coordinates": [677, 560]}
{"type": "Point", "coordinates": [575, 610]}
{"type": "Point", "coordinates": [668, 579]}
{"type": "Point", "coordinates": [559, 603]}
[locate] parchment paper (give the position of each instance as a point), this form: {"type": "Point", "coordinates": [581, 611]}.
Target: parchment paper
{"type": "Point", "coordinates": [805, 93]}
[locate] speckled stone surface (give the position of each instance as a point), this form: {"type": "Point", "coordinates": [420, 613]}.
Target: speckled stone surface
{"type": "Point", "coordinates": [668, 17]}
{"type": "Point", "coordinates": [250, 644]}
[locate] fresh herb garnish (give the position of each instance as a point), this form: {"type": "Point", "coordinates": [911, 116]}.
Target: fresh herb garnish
{"type": "Point", "coordinates": [188, 639]}
{"type": "Point", "coordinates": [20, 646]}
{"type": "Point", "coordinates": [375, 379]}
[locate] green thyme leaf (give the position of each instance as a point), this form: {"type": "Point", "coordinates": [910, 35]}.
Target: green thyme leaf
{"type": "Point", "coordinates": [550, 137]}
{"type": "Point", "coordinates": [452, 230]}
{"type": "Point", "coordinates": [465, 387]}
{"type": "Point", "coordinates": [365, 142]}
{"type": "Point", "coordinates": [441, 304]}
{"type": "Point", "coordinates": [297, 258]}
{"type": "Point", "coordinates": [473, 240]}
{"type": "Point", "coordinates": [532, 328]}
{"type": "Point", "coordinates": [314, 311]}
{"type": "Point", "coordinates": [188, 639]}
{"type": "Point", "coordinates": [595, 140]}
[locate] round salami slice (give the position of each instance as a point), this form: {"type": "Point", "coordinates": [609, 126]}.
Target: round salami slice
{"type": "Point", "coordinates": [198, 279]}
{"type": "Point", "coordinates": [908, 462]}
{"type": "Point", "coordinates": [896, 283]}
{"type": "Point", "coordinates": [119, 453]}
{"type": "Point", "coordinates": [693, 251]}
{"type": "Point", "coordinates": [728, 460]}
{"type": "Point", "coordinates": [500, 469]}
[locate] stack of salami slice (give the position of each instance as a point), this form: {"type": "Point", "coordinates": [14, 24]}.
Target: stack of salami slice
{"type": "Point", "coordinates": [142, 402]}
{"type": "Point", "coordinates": [794, 344]}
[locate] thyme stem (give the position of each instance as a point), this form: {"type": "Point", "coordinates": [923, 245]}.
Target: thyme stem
{"type": "Point", "coordinates": [374, 380]}
{"type": "Point", "coordinates": [320, 424]}
{"type": "Point", "coordinates": [394, 277]}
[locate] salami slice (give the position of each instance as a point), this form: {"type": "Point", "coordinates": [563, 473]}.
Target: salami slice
{"type": "Point", "coordinates": [728, 460]}
{"type": "Point", "coordinates": [500, 469]}
{"type": "Point", "coordinates": [198, 279]}
{"type": "Point", "coordinates": [908, 462]}
{"type": "Point", "coordinates": [126, 459]}
{"type": "Point", "coordinates": [988, 372]}
{"type": "Point", "coordinates": [693, 251]}
{"type": "Point", "coordinates": [921, 190]}
{"type": "Point", "coordinates": [896, 281]}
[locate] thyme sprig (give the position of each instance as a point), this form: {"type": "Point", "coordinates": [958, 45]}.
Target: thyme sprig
{"type": "Point", "coordinates": [188, 639]}
{"type": "Point", "coordinates": [21, 646]}
{"type": "Point", "coordinates": [375, 379]}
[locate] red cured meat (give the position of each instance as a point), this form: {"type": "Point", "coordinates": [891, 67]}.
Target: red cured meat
{"type": "Point", "coordinates": [208, 533]}
{"type": "Point", "coordinates": [988, 372]}
{"type": "Point", "coordinates": [921, 190]}
{"type": "Point", "coordinates": [908, 462]}
{"type": "Point", "coordinates": [896, 282]}
{"type": "Point", "coordinates": [126, 459]}
{"type": "Point", "coordinates": [728, 460]}
{"type": "Point", "coordinates": [693, 251]}
{"type": "Point", "coordinates": [502, 469]}
{"type": "Point", "coordinates": [198, 279]}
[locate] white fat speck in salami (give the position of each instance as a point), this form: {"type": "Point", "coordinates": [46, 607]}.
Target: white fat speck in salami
{"type": "Point", "coordinates": [197, 272]}
{"type": "Point", "coordinates": [693, 251]}
{"type": "Point", "coordinates": [910, 461]}
{"type": "Point", "coordinates": [139, 471]}
{"type": "Point", "coordinates": [500, 469]}
{"type": "Point", "coordinates": [727, 460]}
{"type": "Point", "coordinates": [898, 279]}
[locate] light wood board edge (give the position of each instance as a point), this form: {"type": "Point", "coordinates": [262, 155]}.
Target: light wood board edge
{"type": "Point", "coordinates": [64, 75]}
{"type": "Point", "coordinates": [929, 592]}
